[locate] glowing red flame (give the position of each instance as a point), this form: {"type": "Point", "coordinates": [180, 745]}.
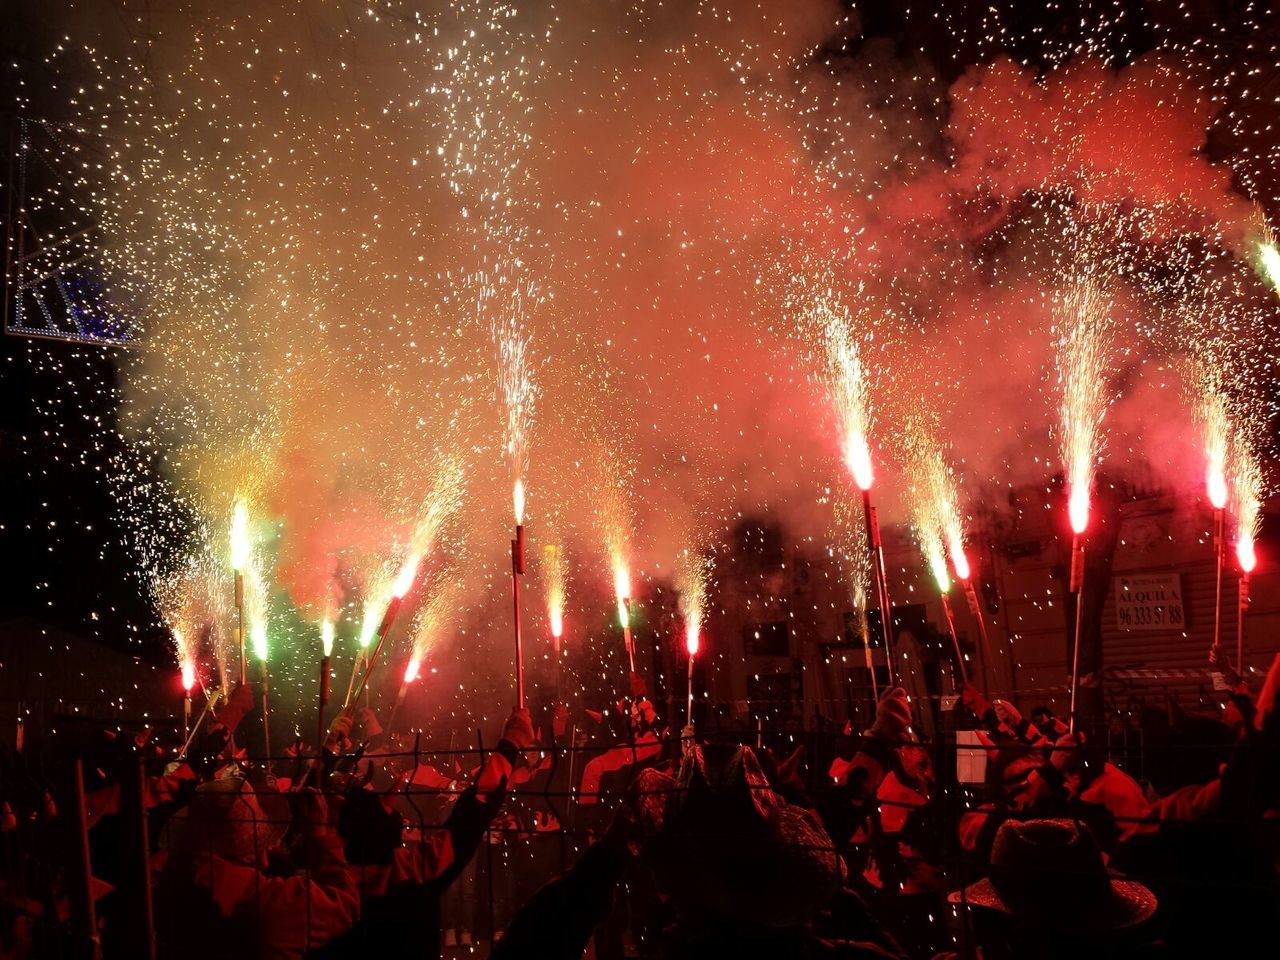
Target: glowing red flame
{"type": "Point", "coordinates": [411, 671]}
{"type": "Point", "coordinates": [1078, 509]}
{"type": "Point", "coordinates": [858, 456]}
{"type": "Point", "coordinates": [958, 560]}
{"type": "Point", "coordinates": [691, 637]}
{"type": "Point", "coordinates": [517, 500]}
{"type": "Point", "coordinates": [1216, 481]}
{"type": "Point", "coordinates": [1246, 555]}
{"type": "Point", "coordinates": [188, 675]}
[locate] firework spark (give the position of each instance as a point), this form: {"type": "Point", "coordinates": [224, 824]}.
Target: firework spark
{"type": "Point", "coordinates": [1248, 488]}
{"type": "Point", "coordinates": [1269, 257]}
{"type": "Point", "coordinates": [847, 382]}
{"type": "Point", "coordinates": [692, 573]}
{"type": "Point", "coordinates": [1081, 313]}
{"type": "Point", "coordinates": [1215, 430]}
{"type": "Point", "coordinates": [326, 636]}
{"type": "Point", "coordinates": [556, 569]}
{"type": "Point", "coordinates": [435, 616]}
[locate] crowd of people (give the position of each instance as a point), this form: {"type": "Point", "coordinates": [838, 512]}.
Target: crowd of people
{"type": "Point", "coordinates": [670, 844]}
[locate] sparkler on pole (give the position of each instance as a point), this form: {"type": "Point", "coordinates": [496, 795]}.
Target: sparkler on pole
{"type": "Point", "coordinates": [937, 522]}
{"type": "Point", "coordinates": [326, 647]}
{"type": "Point", "coordinates": [622, 590]}
{"type": "Point", "coordinates": [1247, 480]}
{"type": "Point", "coordinates": [554, 556]}
{"type": "Point", "coordinates": [1079, 521]}
{"type": "Point", "coordinates": [188, 681]}
{"type": "Point", "coordinates": [1081, 354]}
{"type": "Point", "coordinates": [849, 390]}
{"type": "Point", "coordinates": [1248, 560]}
{"type": "Point", "coordinates": [859, 460]}
{"type": "Point", "coordinates": [519, 392]}
{"type": "Point", "coordinates": [240, 556]}
{"type": "Point", "coordinates": [1215, 424]}
{"type": "Point", "coordinates": [517, 571]}
{"type": "Point", "coordinates": [691, 646]}
{"type": "Point", "coordinates": [691, 577]}
{"type": "Point", "coordinates": [403, 582]}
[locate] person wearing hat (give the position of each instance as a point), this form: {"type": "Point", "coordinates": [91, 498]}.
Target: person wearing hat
{"type": "Point", "coordinates": [1048, 894]}
{"type": "Point", "coordinates": [216, 895]}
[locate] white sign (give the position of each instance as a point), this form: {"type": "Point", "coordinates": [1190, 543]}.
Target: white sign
{"type": "Point", "coordinates": [1152, 601]}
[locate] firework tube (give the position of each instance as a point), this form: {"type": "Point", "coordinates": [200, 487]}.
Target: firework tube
{"type": "Point", "coordinates": [1241, 607]}
{"type": "Point", "coordinates": [242, 629]}
{"type": "Point", "coordinates": [1079, 519]}
{"type": "Point", "coordinates": [188, 673]}
{"type": "Point", "coordinates": [1219, 549]}
{"type": "Point", "coordinates": [691, 645]}
{"type": "Point", "coordinates": [626, 633]}
{"type": "Point", "coordinates": [882, 584]}
{"type": "Point", "coordinates": [241, 555]}
{"type": "Point", "coordinates": [1247, 559]}
{"type": "Point", "coordinates": [555, 648]}
{"type": "Point", "coordinates": [517, 569]}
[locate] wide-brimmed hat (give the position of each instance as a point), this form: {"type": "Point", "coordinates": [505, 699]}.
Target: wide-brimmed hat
{"type": "Point", "coordinates": [724, 845]}
{"type": "Point", "coordinates": [1050, 873]}
{"type": "Point", "coordinates": [229, 818]}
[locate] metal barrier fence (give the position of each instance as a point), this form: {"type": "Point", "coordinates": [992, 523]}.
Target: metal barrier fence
{"type": "Point", "coordinates": [82, 847]}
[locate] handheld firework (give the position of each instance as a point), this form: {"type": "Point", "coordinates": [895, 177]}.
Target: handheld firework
{"type": "Point", "coordinates": [188, 670]}
{"type": "Point", "coordinates": [326, 649]}
{"type": "Point", "coordinates": [858, 457]}
{"type": "Point", "coordinates": [691, 647]}
{"type": "Point", "coordinates": [1079, 517]}
{"type": "Point", "coordinates": [1215, 424]}
{"type": "Point", "coordinates": [517, 571]}
{"type": "Point", "coordinates": [555, 564]}
{"type": "Point", "coordinates": [1248, 494]}
{"type": "Point", "coordinates": [622, 590]}
{"type": "Point", "coordinates": [692, 574]}
{"type": "Point", "coordinates": [240, 555]}
{"type": "Point", "coordinates": [403, 583]}
{"type": "Point", "coordinates": [1081, 357]}
{"type": "Point", "coordinates": [847, 383]}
